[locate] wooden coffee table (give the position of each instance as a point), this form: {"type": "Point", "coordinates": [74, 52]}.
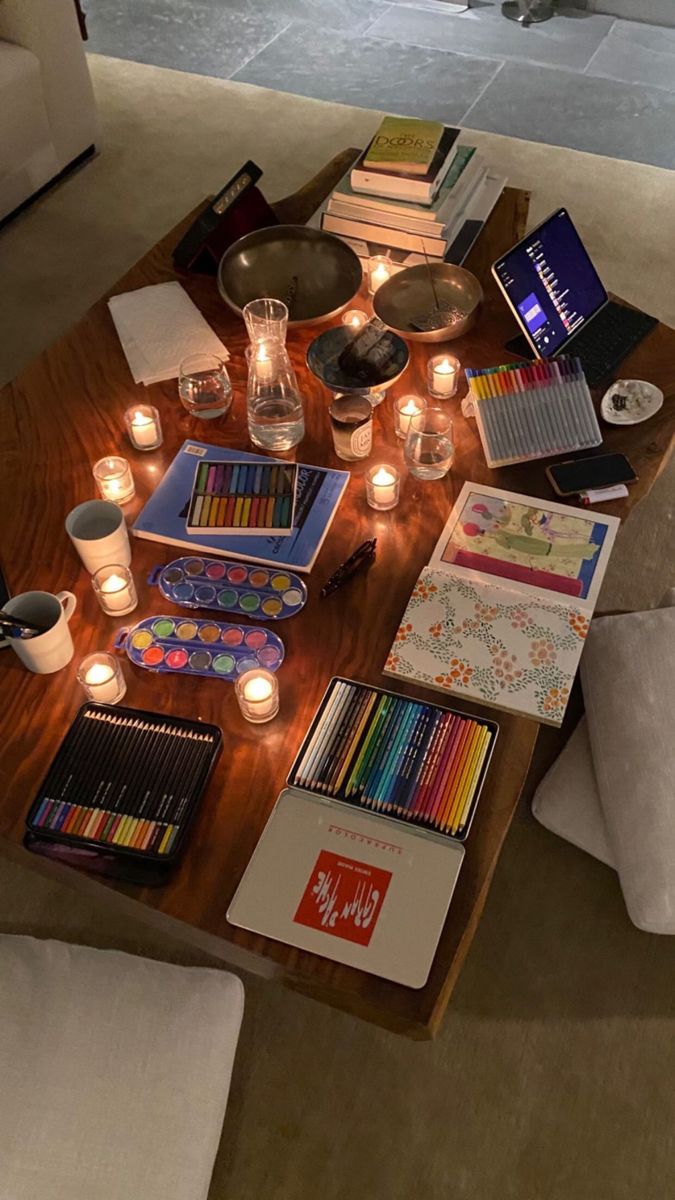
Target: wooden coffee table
{"type": "Point", "coordinates": [63, 413]}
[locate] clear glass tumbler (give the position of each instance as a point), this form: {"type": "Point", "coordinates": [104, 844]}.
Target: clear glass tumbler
{"type": "Point", "coordinates": [204, 386]}
{"type": "Point", "coordinates": [275, 416]}
{"type": "Point", "coordinates": [266, 320]}
{"type": "Point", "coordinates": [429, 448]}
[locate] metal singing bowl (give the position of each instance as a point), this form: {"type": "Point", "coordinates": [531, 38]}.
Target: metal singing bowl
{"type": "Point", "coordinates": [409, 294]}
{"type": "Point", "coordinates": [314, 273]}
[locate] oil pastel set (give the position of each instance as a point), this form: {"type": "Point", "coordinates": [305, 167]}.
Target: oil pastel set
{"type": "Point", "coordinates": [243, 497]}
{"type": "Point", "coordinates": [501, 612]}
{"type": "Point", "coordinates": [318, 493]}
{"type": "Point", "coordinates": [190, 646]}
{"type": "Point", "coordinates": [532, 410]}
{"type": "Point", "coordinates": [125, 782]}
{"type": "Point", "coordinates": [235, 587]}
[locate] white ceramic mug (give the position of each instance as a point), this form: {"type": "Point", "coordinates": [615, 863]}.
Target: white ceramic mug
{"type": "Point", "coordinates": [49, 651]}
{"type": "Point", "coordinates": [98, 532]}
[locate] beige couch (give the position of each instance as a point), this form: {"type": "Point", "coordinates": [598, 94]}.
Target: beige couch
{"type": "Point", "coordinates": [47, 110]}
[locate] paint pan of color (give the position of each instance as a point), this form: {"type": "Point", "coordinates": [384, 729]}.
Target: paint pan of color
{"type": "Point", "coordinates": [126, 782]}
{"type": "Point", "coordinates": [413, 762]}
{"type": "Point", "coordinates": [194, 647]}
{"type": "Point", "coordinates": [242, 588]}
{"type": "Point", "coordinates": [243, 497]}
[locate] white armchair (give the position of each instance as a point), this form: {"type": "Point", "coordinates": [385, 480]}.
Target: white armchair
{"type": "Point", "coordinates": [47, 109]}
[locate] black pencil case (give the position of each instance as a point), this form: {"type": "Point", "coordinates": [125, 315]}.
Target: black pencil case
{"type": "Point", "coordinates": [126, 784]}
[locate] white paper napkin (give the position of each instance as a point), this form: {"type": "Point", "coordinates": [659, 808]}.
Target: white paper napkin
{"type": "Point", "coordinates": [158, 327]}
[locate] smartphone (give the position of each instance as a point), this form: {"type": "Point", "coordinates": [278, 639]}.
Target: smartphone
{"type": "Point", "coordinates": [577, 474]}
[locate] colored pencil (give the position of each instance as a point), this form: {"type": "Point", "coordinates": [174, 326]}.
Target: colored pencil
{"type": "Point", "coordinates": [395, 756]}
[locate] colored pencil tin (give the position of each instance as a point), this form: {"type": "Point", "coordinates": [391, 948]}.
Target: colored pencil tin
{"type": "Point", "coordinates": [188, 646]}
{"type": "Point", "coordinates": [125, 782]}
{"type": "Point", "coordinates": [237, 587]}
{"type": "Point", "coordinates": [415, 763]}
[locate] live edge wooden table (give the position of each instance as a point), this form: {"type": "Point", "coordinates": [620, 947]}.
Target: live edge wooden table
{"type": "Point", "coordinates": [62, 414]}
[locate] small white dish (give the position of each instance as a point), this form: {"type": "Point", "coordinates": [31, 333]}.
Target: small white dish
{"type": "Point", "coordinates": [642, 401]}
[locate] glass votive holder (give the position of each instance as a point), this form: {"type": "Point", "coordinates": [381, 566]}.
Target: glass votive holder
{"type": "Point", "coordinates": [429, 448]}
{"type": "Point", "coordinates": [351, 420]}
{"type": "Point", "coordinates": [114, 479]}
{"type": "Point", "coordinates": [266, 320]}
{"type": "Point", "coordinates": [380, 269]}
{"type": "Point", "coordinates": [101, 678]}
{"type": "Point", "coordinates": [204, 386]}
{"type": "Point", "coordinates": [383, 486]}
{"type": "Point", "coordinates": [405, 408]}
{"type": "Point", "coordinates": [257, 692]}
{"type": "Point", "coordinates": [143, 427]}
{"type": "Point", "coordinates": [354, 319]}
{"type": "Point", "coordinates": [115, 590]}
{"type": "Point", "coordinates": [443, 376]}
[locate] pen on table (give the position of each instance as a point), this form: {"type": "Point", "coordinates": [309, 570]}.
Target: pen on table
{"type": "Point", "coordinates": [362, 557]}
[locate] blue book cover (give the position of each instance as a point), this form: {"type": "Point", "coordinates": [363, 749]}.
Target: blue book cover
{"type": "Point", "coordinates": [163, 519]}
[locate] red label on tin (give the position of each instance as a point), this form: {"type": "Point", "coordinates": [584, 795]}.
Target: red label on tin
{"type": "Point", "coordinates": [343, 897]}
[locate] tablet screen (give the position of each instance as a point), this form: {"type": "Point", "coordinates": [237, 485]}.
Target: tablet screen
{"type": "Point", "coordinates": [551, 284]}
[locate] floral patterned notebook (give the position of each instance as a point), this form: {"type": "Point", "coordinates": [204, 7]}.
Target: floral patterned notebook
{"type": "Point", "coordinates": [502, 610]}
{"type": "Point", "coordinates": [490, 645]}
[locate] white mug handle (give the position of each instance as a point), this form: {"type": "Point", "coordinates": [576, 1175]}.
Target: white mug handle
{"type": "Point", "coordinates": [68, 602]}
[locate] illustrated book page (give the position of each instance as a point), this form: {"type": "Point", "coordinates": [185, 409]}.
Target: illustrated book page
{"type": "Point", "coordinates": [543, 550]}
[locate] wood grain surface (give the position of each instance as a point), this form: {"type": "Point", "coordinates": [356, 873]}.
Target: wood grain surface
{"type": "Point", "coordinates": [62, 414]}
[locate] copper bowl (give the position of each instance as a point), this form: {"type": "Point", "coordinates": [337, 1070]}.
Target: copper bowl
{"type": "Point", "coordinates": [409, 294]}
{"type": "Point", "coordinates": [315, 273]}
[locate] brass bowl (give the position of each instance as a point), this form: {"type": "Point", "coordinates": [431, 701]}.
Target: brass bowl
{"type": "Point", "coordinates": [316, 271]}
{"type": "Point", "coordinates": [405, 296]}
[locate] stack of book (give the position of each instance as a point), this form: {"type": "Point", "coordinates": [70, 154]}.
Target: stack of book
{"type": "Point", "coordinates": [417, 190]}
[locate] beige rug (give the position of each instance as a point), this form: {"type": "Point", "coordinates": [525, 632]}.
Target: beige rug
{"type": "Point", "coordinates": [551, 1077]}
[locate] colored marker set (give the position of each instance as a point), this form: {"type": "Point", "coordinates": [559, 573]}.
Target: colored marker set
{"type": "Point", "coordinates": [125, 781]}
{"type": "Point", "coordinates": [231, 587]}
{"type": "Point", "coordinates": [386, 753]}
{"type": "Point", "coordinates": [188, 646]}
{"type": "Point", "coordinates": [532, 410]}
{"type": "Point", "coordinates": [240, 497]}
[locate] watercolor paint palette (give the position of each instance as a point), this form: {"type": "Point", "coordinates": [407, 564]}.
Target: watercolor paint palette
{"type": "Point", "coordinates": [236, 587]}
{"type": "Point", "coordinates": [242, 497]}
{"type": "Point", "coordinates": [187, 646]}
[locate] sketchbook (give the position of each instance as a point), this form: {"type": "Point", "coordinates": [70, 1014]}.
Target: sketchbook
{"type": "Point", "coordinates": [501, 612]}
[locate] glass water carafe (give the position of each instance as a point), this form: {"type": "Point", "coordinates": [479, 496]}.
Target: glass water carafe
{"type": "Point", "coordinates": [275, 417]}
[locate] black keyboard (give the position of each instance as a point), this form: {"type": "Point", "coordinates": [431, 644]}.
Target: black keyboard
{"type": "Point", "coordinates": [609, 338]}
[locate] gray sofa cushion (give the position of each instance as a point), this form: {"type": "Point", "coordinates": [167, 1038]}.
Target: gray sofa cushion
{"type": "Point", "coordinates": [114, 1073]}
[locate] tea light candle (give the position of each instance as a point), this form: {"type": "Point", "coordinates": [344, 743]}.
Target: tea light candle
{"type": "Point", "coordinates": [380, 269]}
{"type": "Point", "coordinates": [101, 678]}
{"type": "Point", "coordinates": [405, 408]}
{"type": "Point", "coordinates": [264, 363]}
{"type": "Point", "coordinates": [354, 319]}
{"type": "Point", "coordinates": [258, 695]}
{"type": "Point", "coordinates": [143, 426]}
{"type": "Point", "coordinates": [114, 479]}
{"type": "Point", "coordinates": [382, 487]}
{"type": "Point", "coordinates": [443, 375]}
{"type": "Point", "coordinates": [115, 590]}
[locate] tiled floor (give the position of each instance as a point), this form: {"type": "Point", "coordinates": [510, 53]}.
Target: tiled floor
{"type": "Point", "coordinates": [581, 80]}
